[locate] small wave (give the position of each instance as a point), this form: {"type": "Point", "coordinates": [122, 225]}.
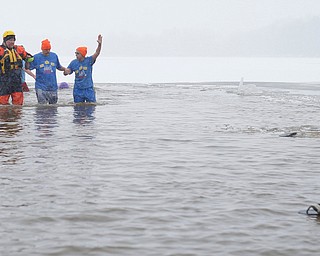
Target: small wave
{"type": "Point", "coordinates": [303, 131]}
{"type": "Point", "coordinates": [59, 104]}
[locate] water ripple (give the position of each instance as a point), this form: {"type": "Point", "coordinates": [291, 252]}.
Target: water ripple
{"type": "Point", "coordinates": [162, 169]}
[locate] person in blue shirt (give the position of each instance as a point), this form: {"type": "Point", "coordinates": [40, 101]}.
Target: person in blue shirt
{"type": "Point", "coordinates": [46, 63]}
{"type": "Point", "coordinates": [83, 90]}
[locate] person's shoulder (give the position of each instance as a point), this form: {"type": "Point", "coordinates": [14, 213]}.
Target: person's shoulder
{"type": "Point", "coordinates": [53, 54]}
{"type": "Point", "coordinates": [74, 62]}
{"type": "Point", "coordinates": [37, 55]}
{"type": "Point", "coordinates": [89, 59]}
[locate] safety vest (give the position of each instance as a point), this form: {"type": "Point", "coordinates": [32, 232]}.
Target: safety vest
{"type": "Point", "coordinates": [11, 59]}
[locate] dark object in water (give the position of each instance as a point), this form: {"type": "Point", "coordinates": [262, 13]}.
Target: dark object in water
{"type": "Point", "coordinates": [291, 134]}
{"type": "Point", "coordinates": [313, 210]}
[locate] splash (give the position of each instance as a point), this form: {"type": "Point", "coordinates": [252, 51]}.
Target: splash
{"type": "Point", "coordinates": [247, 89]}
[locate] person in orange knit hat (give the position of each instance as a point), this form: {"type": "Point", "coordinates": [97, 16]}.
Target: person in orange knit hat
{"type": "Point", "coordinates": [46, 63]}
{"type": "Point", "coordinates": [11, 63]}
{"type": "Point", "coordinates": [83, 90]}
{"type": "Point", "coordinates": [45, 45]}
{"type": "Point", "coordinates": [82, 50]}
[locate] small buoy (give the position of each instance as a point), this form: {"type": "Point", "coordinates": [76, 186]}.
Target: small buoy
{"type": "Point", "coordinates": [63, 85]}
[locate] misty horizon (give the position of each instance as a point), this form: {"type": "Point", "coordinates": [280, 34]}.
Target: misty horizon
{"type": "Point", "coordinates": [297, 38]}
{"type": "Point", "coordinates": [176, 28]}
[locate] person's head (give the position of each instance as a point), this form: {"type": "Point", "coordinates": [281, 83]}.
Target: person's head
{"type": "Point", "coordinates": [45, 47]}
{"type": "Point", "coordinates": [9, 38]}
{"type": "Point", "coordinates": [81, 53]}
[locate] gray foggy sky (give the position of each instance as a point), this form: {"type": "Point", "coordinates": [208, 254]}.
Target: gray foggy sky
{"type": "Point", "coordinates": [150, 27]}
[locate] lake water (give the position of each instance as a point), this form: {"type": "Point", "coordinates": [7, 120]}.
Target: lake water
{"type": "Point", "coordinates": [163, 169]}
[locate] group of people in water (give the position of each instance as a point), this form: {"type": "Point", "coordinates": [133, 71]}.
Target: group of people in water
{"type": "Point", "coordinates": [15, 61]}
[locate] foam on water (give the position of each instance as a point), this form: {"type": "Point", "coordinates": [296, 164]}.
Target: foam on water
{"type": "Point", "coordinates": [248, 89]}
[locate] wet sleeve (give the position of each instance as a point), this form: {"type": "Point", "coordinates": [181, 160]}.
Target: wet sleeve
{"type": "Point", "coordinates": [58, 62]}
{"type": "Point", "coordinates": [70, 67]}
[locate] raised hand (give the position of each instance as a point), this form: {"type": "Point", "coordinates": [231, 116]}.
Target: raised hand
{"type": "Point", "coordinates": [99, 39]}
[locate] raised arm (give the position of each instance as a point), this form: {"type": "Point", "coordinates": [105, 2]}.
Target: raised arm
{"type": "Point", "coordinates": [98, 50]}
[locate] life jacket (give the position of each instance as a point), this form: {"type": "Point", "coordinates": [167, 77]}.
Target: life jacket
{"type": "Point", "coordinates": [11, 59]}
